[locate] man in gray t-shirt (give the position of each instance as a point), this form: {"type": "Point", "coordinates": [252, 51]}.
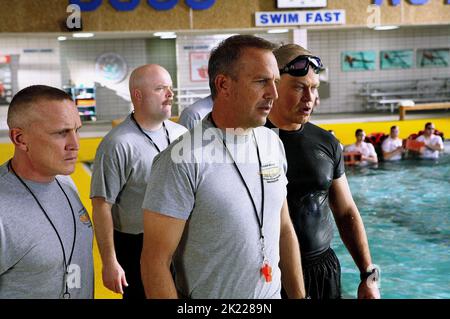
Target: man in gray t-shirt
{"type": "Point", "coordinates": [120, 175]}
{"type": "Point", "coordinates": [45, 232]}
{"type": "Point", "coordinates": [193, 114]}
{"type": "Point", "coordinates": [216, 202]}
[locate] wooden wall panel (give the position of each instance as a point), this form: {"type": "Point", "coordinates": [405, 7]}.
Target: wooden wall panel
{"type": "Point", "coordinates": [50, 15]}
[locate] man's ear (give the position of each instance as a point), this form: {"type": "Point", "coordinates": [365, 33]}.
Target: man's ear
{"type": "Point", "coordinates": [17, 137]}
{"type": "Point", "coordinates": [222, 83]}
{"type": "Point", "coordinates": [137, 94]}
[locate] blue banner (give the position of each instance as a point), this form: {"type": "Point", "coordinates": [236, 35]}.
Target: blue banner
{"type": "Point", "coordinates": [124, 5]}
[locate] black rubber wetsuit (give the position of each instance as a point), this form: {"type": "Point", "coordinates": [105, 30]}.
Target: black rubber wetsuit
{"type": "Point", "coordinates": [314, 159]}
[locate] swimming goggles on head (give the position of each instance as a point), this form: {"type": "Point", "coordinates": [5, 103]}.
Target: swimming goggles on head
{"type": "Point", "coordinates": [300, 65]}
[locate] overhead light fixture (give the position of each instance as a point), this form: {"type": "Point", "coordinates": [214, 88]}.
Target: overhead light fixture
{"type": "Point", "coordinates": [385, 27]}
{"type": "Point", "coordinates": [164, 34]}
{"type": "Point", "coordinates": [62, 38]}
{"type": "Point", "coordinates": [277, 30]}
{"type": "Point", "coordinates": [168, 36]}
{"type": "Point", "coordinates": [83, 35]}
{"type": "Point", "coordinates": [224, 36]}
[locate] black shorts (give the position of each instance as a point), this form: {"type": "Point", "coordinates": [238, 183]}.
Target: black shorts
{"type": "Point", "coordinates": [322, 275]}
{"type": "Point", "coordinates": [128, 252]}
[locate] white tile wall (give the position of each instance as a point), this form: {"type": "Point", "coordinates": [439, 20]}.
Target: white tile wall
{"type": "Point", "coordinates": [75, 60]}
{"type": "Point", "coordinates": [3, 115]}
{"type": "Point", "coordinates": [209, 41]}
{"type": "Point", "coordinates": [78, 65]}
{"type": "Point", "coordinates": [34, 68]}
{"type": "Point", "coordinates": [329, 45]}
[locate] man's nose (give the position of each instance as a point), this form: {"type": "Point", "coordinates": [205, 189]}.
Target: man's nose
{"type": "Point", "coordinates": [271, 91]}
{"type": "Point", "coordinates": [73, 141]}
{"type": "Point", "coordinates": [308, 95]}
{"type": "Point", "coordinates": [169, 92]}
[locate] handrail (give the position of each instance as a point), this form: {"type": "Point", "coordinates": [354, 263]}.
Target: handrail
{"type": "Point", "coordinates": [402, 80]}
{"type": "Point", "coordinates": [375, 94]}
{"type": "Point", "coordinates": [429, 99]}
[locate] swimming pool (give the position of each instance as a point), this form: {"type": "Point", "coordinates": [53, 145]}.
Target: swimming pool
{"type": "Point", "coordinates": [405, 207]}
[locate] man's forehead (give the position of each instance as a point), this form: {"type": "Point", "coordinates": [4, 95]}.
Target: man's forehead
{"type": "Point", "coordinates": [54, 108]}
{"type": "Point", "coordinates": [160, 80]}
{"type": "Point", "coordinates": [308, 80]}
{"type": "Point", "coordinates": [53, 103]}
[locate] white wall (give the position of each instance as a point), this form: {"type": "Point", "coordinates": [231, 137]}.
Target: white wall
{"type": "Point", "coordinates": [204, 43]}
{"type": "Point", "coordinates": [78, 59]}
{"type": "Point", "coordinates": [34, 67]}
{"type": "Point", "coordinates": [329, 44]}
{"type": "Point", "coordinates": [38, 67]}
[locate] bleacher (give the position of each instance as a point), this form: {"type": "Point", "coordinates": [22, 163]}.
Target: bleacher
{"type": "Point", "coordinates": [387, 95]}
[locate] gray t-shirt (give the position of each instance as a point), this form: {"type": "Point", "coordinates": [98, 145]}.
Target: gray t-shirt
{"type": "Point", "coordinates": [31, 257]}
{"type": "Point", "coordinates": [220, 255]}
{"type": "Point", "coordinates": [122, 169]}
{"type": "Point", "coordinates": [194, 114]}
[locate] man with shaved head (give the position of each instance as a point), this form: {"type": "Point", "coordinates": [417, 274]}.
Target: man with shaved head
{"type": "Point", "coordinates": [45, 232]}
{"type": "Point", "coordinates": [316, 180]}
{"type": "Point", "coordinates": [120, 175]}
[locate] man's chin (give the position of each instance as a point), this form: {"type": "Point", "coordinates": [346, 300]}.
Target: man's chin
{"type": "Point", "coordinates": [166, 115]}
{"type": "Point", "coordinates": [67, 170]}
{"type": "Point", "coordinates": [260, 121]}
{"type": "Point", "coordinates": [303, 119]}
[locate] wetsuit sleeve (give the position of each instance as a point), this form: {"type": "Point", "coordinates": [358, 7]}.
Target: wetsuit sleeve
{"type": "Point", "coordinates": [339, 168]}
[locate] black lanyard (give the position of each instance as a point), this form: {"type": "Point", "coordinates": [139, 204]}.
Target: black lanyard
{"type": "Point", "coordinates": [260, 221]}
{"type": "Point", "coordinates": [149, 138]}
{"type": "Point", "coordinates": [66, 294]}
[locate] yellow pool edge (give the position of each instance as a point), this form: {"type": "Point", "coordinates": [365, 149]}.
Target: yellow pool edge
{"type": "Point", "coordinates": [344, 132]}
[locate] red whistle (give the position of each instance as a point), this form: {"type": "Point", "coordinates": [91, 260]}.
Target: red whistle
{"type": "Point", "coordinates": [266, 270]}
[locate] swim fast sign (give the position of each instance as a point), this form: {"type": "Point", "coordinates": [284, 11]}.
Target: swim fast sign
{"type": "Point", "coordinates": [284, 18]}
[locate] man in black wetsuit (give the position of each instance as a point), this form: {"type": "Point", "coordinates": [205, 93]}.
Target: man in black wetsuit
{"type": "Point", "coordinates": [317, 181]}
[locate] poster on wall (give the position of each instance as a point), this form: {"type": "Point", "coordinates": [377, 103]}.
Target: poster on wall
{"type": "Point", "coordinates": [199, 66]}
{"type": "Point", "coordinates": [358, 60]}
{"type": "Point", "coordinates": [5, 80]}
{"type": "Point", "coordinates": [433, 58]}
{"type": "Point", "coordinates": [396, 59]}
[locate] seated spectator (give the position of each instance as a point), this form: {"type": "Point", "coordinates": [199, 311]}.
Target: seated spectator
{"type": "Point", "coordinates": [367, 151]}
{"type": "Point", "coordinates": [433, 143]}
{"type": "Point", "coordinates": [392, 146]}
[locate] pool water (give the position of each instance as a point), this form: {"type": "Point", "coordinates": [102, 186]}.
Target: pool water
{"type": "Point", "coordinates": [405, 207]}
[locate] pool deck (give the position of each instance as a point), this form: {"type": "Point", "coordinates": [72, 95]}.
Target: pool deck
{"type": "Point", "coordinates": [100, 128]}
{"type": "Point", "coordinates": [343, 124]}
{"type": "Point", "coordinates": [373, 117]}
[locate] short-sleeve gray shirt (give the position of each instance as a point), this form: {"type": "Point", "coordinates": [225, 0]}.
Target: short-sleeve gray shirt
{"type": "Point", "coordinates": [219, 255]}
{"type": "Point", "coordinates": [31, 257]}
{"type": "Point", "coordinates": [194, 113]}
{"type": "Point", "coordinates": [122, 170]}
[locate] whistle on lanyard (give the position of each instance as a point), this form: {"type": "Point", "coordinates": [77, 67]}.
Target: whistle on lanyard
{"type": "Point", "coordinates": [266, 271]}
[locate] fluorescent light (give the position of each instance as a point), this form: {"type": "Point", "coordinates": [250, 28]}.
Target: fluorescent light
{"type": "Point", "coordinates": [61, 38]}
{"type": "Point", "coordinates": [83, 35]}
{"type": "Point", "coordinates": [224, 36]}
{"type": "Point", "coordinates": [277, 30]}
{"type": "Point", "coordinates": [385, 27]}
{"type": "Point", "coordinates": [163, 34]}
{"type": "Point", "coordinates": [168, 36]}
